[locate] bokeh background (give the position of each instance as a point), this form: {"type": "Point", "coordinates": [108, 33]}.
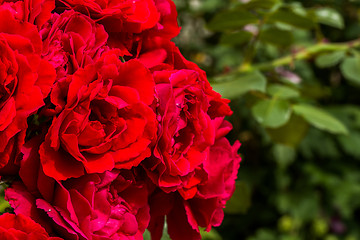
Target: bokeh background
{"type": "Point", "coordinates": [292, 71]}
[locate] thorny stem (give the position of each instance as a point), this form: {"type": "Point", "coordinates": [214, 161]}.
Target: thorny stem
{"type": "Point", "coordinates": [304, 54]}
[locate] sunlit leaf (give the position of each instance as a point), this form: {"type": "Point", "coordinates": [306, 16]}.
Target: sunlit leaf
{"type": "Point", "coordinates": [272, 113]}
{"type": "Point", "coordinates": [329, 59]}
{"type": "Point", "coordinates": [234, 85]}
{"type": "Point", "coordinates": [282, 91]}
{"type": "Point", "coordinates": [350, 68]}
{"type": "Point", "coordinates": [319, 118]}
{"type": "Point", "coordinates": [261, 4]}
{"type": "Point", "coordinates": [330, 17]}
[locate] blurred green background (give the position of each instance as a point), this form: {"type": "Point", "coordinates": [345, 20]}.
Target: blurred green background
{"type": "Point", "coordinates": [292, 71]}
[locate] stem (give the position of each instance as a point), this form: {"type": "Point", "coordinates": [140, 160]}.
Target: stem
{"type": "Point", "coordinates": [306, 53]}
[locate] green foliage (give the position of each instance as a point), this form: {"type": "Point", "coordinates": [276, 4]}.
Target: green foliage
{"type": "Point", "coordinates": [236, 38]}
{"type": "Point", "coordinates": [330, 17]}
{"type": "Point", "coordinates": [292, 71]}
{"type": "Point", "coordinates": [350, 68]}
{"type": "Point", "coordinates": [320, 118]}
{"type": "Point", "coordinates": [272, 113]}
{"type": "Point", "coordinates": [230, 20]}
{"type": "Point", "coordinates": [233, 85]}
{"type": "Point", "coordinates": [327, 60]}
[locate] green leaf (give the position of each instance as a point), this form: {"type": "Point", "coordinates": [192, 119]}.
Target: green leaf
{"type": "Point", "coordinates": [330, 17]}
{"type": "Point", "coordinates": [236, 38]}
{"type": "Point", "coordinates": [234, 85]}
{"type": "Point", "coordinates": [272, 113]}
{"type": "Point", "coordinates": [3, 204]}
{"type": "Point", "coordinates": [350, 68]}
{"type": "Point", "coordinates": [165, 235]}
{"type": "Point", "coordinates": [290, 17]}
{"type": "Point", "coordinates": [290, 134]}
{"type": "Point", "coordinates": [329, 59]}
{"type": "Point", "coordinates": [211, 235]}
{"type": "Point", "coordinates": [240, 200]}
{"type": "Point", "coordinates": [283, 92]}
{"type": "Point", "coordinates": [276, 36]}
{"type": "Point", "coordinates": [350, 144]}
{"type": "Point", "coordinates": [231, 20]}
{"type": "Point", "coordinates": [147, 235]}
{"type": "Point", "coordinates": [319, 118]}
{"type": "Point", "coordinates": [260, 4]}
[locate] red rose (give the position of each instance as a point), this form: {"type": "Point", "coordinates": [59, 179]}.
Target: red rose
{"type": "Point", "coordinates": [18, 227]}
{"type": "Point", "coordinates": [25, 79]}
{"type": "Point", "coordinates": [119, 15]}
{"type": "Point", "coordinates": [189, 110]}
{"type": "Point", "coordinates": [162, 55]}
{"type": "Point", "coordinates": [111, 205]}
{"type": "Point", "coordinates": [36, 12]}
{"type": "Point", "coordinates": [214, 183]}
{"type": "Point", "coordinates": [166, 28]}
{"type": "Point", "coordinates": [130, 23]}
{"type": "Point", "coordinates": [104, 119]}
{"type": "Point", "coordinates": [72, 40]}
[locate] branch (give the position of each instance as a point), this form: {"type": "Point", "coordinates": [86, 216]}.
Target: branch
{"type": "Point", "coordinates": [304, 54]}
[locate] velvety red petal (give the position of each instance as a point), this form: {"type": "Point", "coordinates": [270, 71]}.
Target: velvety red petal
{"type": "Point", "coordinates": [56, 163]}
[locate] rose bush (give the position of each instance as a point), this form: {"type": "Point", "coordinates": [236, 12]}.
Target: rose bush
{"type": "Point", "coordinates": [26, 80]}
{"type": "Point", "coordinates": [106, 128]}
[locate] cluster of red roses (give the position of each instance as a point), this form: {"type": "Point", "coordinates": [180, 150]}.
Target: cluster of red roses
{"type": "Point", "coordinates": [105, 128]}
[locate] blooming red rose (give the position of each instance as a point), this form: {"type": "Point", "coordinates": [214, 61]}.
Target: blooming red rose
{"type": "Point", "coordinates": [130, 23]}
{"type": "Point", "coordinates": [189, 110]}
{"type": "Point", "coordinates": [111, 205]}
{"type": "Point", "coordinates": [121, 18]}
{"type": "Point", "coordinates": [213, 183]}
{"type": "Point", "coordinates": [162, 55]}
{"type": "Point", "coordinates": [18, 227]}
{"type": "Point", "coordinates": [25, 79]}
{"type": "Point", "coordinates": [104, 119]}
{"type": "Point", "coordinates": [119, 15]}
{"type": "Point", "coordinates": [36, 12]}
{"type": "Point", "coordinates": [72, 40]}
